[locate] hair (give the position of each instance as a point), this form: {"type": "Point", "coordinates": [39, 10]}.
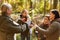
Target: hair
{"type": "Point", "coordinates": [56, 13]}
{"type": "Point", "coordinates": [28, 16]}
{"type": "Point", "coordinates": [24, 11]}
{"type": "Point", "coordinates": [6, 6]}
{"type": "Point", "coordinates": [47, 17]}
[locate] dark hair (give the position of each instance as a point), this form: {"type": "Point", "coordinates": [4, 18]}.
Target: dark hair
{"type": "Point", "coordinates": [56, 13]}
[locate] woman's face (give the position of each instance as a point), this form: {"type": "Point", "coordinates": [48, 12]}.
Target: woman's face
{"type": "Point", "coordinates": [24, 14]}
{"type": "Point", "coordinates": [52, 16]}
{"type": "Point", "coordinates": [46, 20]}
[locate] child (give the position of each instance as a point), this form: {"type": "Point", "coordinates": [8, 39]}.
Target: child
{"type": "Point", "coordinates": [24, 28]}
{"type": "Point", "coordinates": [44, 25]}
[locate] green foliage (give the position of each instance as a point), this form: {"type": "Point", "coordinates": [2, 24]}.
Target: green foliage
{"type": "Point", "coordinates": [18, 37]}
{"type": "Point", "coordinates": [19, 5]}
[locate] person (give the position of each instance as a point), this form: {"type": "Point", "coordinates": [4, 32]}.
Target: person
{"type": "Point", "coordinates": [45, 24]}
{"type": "Point", "coordinates": [25, 14]}
{"type": "Point", "coordinates": [25, 29]}
{"type": "Point", "coordinates": [52, 33]}
{"type": "Point", "coordinates": [8, 27]}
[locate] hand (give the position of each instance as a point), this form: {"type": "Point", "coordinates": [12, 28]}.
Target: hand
{"type": "Point", "coordinates": [35, 26]}
{"type": "Point", "coordinates": [31, 25]}
{"type": "Point", "coordinates": [22, 19]}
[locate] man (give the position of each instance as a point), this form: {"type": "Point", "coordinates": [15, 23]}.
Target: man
{"type": "Point", "coordinates": [8, 27]}
{"type": "Point", "coordinates": [52, 33]}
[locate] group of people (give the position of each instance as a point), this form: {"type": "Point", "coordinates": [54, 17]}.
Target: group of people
{"type": "Point", "coordinates": [48, 29]}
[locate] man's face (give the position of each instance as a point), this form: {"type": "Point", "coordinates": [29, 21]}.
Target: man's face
{"type": "Point", "coordinates": [9, 11]}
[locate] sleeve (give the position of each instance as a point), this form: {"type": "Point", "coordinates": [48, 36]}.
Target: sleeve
{"type": "Point", "coordinates": [50, 30]}
{"type": "Point", "coordinates": [12, 26]}
{"type": "Point", "coordinates": [19, 21]}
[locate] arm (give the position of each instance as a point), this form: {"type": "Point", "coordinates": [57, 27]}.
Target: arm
{"type": "Point", "coordinates": [11, 26]}
{"type": "Point", "coordinates": [50, 30]}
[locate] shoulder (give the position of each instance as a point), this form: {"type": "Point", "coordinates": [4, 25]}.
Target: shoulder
{"type": "Point", "coordinates": [55, 24]}
{"type": "Point", "coordinates": [58, 20]}
{"type": "Point", "coordinates": [2, 18]}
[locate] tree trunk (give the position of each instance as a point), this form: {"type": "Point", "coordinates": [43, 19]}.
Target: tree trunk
{"type": "Point", "coordinates": [31, 4]}
{"type": "Point", "coordinates": [44, 7]}
{"type": "Point", "coordinates": [55, 2]}
{"type": "Point", "coordinates": [51, 4]}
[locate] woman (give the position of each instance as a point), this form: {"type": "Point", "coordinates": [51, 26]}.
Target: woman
{"type": "Point", "coordinates": [52, 33]}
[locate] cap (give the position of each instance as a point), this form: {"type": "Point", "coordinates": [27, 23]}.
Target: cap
{"type": "Point", "coordinates": [7, 5]}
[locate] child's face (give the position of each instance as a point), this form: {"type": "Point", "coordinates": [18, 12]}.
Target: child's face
{"type": "Point", "coordinates": [46, 20]}
{"type": "Point", "coordinates": [24, 14]}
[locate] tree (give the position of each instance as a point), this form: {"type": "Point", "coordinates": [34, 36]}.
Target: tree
{"type": "Point", "coordinates": [44, 7]}
{"type": "Point", "coordinates": [55, 2]}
